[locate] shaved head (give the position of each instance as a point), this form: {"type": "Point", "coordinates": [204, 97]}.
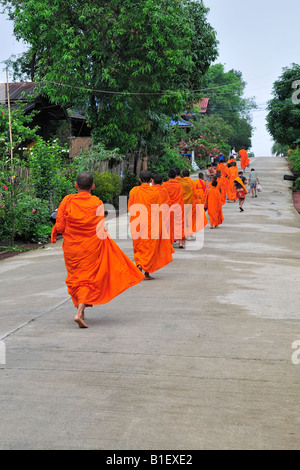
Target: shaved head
{"type": "Point", "coordinates": [85, 180]}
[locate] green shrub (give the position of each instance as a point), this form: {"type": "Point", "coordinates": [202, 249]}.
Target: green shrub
{"type": "Point", "coordinates": [32, 222]}
{"type": "Point", "coordinates": [107, 186]}
{"type": "Point", "coordinates": [294, 160]}
{"type": "Point", "coordinates": [297, 185]}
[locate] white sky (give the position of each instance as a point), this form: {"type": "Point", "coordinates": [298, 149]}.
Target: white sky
{"type": "Point", "coordinates": [256, 37]}
{"type": "Point", "coordinates": [259, 38]}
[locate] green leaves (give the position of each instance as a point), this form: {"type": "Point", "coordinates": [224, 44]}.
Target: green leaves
{"type": "Point", "coordinates": [81, 50]}
{"type": "Point", "coordinates": [283, 119]}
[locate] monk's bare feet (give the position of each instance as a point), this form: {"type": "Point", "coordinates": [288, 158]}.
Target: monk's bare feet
{"type": "Point", "coordinates": [148, 277]}
{"type": "Point", "coordinates": [79, 318]}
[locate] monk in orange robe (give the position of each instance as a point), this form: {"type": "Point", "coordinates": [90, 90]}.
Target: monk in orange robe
{"type": "Point", "coordinates": [166, 203]}
{"type": "Point", "coordinates": [231, 160]}
{"type": "Point", "coordinates": [201, 187]}
{"type": "Point", "coordinates": [151, 251]}
{"type": "Point", "coordinates": [233, 174]}
{"type": "Point", "coordinates": [187, 193]}
{"type": "Point", "coordinates": [222, 184]}
{"type": "Point", "coordinates": [213, 205]}
{"type": "Point", "coordinates": [244, 159]}
{"type": "Point", "coordinates": [197, 216]}
{"type": "Point", "coordinates": [174, 189]}
{"type": "Point", "coordinates": [223, 169]}
{"type": "Point", "coordinates": [97, 269]}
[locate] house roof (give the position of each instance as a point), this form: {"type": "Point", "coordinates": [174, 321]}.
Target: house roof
{"type": "Point", "coordinates": [22, 92]}
{"type": "Point", "coordinates": [17, 92]}
{"type": "Point", "coordinates": [203, 105]}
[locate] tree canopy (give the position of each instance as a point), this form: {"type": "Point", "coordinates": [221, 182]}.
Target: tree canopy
{"type": "Point", "coordinates": [283, 119]}
{"type": "Point", "coordinates": [130, 65]}
{"type": "Point", "coordinates": [227, 101]}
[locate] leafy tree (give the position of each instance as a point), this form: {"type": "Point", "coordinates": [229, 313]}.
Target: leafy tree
{"type": "Point", "coordinates": [130, 64]}
{"type": "Point", "coordinates": [283, 119]}
{"type": "Point", "coordinates": [226, 90]}
{"type": "Point", "coordinates": [280, 150]}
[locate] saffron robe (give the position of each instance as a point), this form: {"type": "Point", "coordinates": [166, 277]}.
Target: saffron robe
{"type": "Point", "coordinates": [174, 189]}
{"type": "Point", "coordinates": [199, 219]}
{"type": "Point", "coordinates": [151, 251]}
{"type": "Point", "coordinates": [223, 185]}
{"type": "Point", "coordinates": [244, 159]}
{"type": "Point", "coordinates": [201, 189]}
{"type": "Point", "coordinates": [223, 169]}
{"type": "Point", "coordinates": [231, 190]}
{"type": "Point", "coordinates": [97, 269]}
{"type": "Point", "coordinates": [214, 206]}
{"type": "Point", "coordinates": [230, 161]}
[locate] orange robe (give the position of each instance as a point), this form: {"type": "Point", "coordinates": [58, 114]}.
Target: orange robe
{"type": "Point", "coordinates": [244, 159]}
{"type": "Point", "coordinates": [166, 201]}
{"type": "Point", "coordinates": [223, 185]}
{"type": "Point", "coordinates": [201, 189]}
{"type": "Point", "coordinates": [214, 206]}
{"type": "Point", "coordinates": [97, 269]}
{"type": "Point", "coordinates": [223, 169]}
{"type": "Point", "coordinates": [231, 190]}
{"type": "Point", "coordinates": [199, 219]}
{"type": "Point", "coordinates": [230, 161]}
{"type": "Point", "coordinates": [151, 251]}
{"type": "Point", "coordinates": [174, 189]}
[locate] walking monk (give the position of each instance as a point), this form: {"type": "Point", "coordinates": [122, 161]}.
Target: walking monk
{"type": "Point", "coordinates": [233, 173]}
{"type": "Point", "coordinates": [174, 189]}
{"type": "Point", "coordinates": [213, 205]}
{"type": "Point", "coordinates": [151, 250]}
{"type": "Point", "coordinates": [244, 159]}
{"type": "Point", "coordinates": [97, 269]}
{"type": "Point", "coordinates": [196, 218]}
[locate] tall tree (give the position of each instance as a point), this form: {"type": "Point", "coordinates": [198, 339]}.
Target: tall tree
{"type": "Point", "coordinates": [226, 93]}
{"type": "Point", "coordinates": [283, 119]}
{"type": "Point", "coordinates": [130, 64]}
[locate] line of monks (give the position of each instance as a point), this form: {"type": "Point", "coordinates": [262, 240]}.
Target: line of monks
{"type": "Point", "coordinates": [97, 269]}
{"type": "Point", "coordinates": [191, 198]}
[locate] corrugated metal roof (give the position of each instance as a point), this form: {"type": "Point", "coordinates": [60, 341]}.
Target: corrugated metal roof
{"type": "Point", "coordinates": [180, 123]}
{"type": "Point", "coordinates": [17, 91]}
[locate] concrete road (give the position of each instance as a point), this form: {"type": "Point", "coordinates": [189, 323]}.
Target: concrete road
{"type": "Point", "coordinates": [201, 358]}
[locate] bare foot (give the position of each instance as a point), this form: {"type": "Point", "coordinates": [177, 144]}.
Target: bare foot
{"type": "Point", "coordinates": [148, 277]}
{"type": "Point", "coordinates": [80, 323]}
{"type": "Point", "coordinates": [79, 317]}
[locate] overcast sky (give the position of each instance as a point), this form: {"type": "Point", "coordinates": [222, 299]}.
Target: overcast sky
{"type": "Point", "coordinates": [256, 37]}
{"type": "Point", "coordinates": [259, 38]}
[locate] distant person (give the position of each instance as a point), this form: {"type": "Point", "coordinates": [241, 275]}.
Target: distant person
{"type": "Point", "coordinates": [253, 182]}
{"type": "Point", "coordinates": [245, 161]}
{"type": "Point", "coordinates": [213, 205]}
{"type": "Point", "coordinates": [241, 190]}
{"type": "Point", "coordinates": [233, 154]}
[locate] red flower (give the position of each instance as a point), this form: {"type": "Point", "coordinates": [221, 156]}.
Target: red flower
{"type": "Point", "coordinates": [33, 211]}
{"type": "Point", "coordinates": [5, 187]}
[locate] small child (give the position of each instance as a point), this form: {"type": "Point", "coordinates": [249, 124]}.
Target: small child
{"type": "Point", "coordinates": [241, 191]}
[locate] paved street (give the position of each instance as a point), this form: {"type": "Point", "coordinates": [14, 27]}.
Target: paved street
{"type": "Point", "coordinates": [200, 358]}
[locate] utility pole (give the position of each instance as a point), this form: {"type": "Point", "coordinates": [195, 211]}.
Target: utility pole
{"type": "Point", "coordinates": [9, 121]}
